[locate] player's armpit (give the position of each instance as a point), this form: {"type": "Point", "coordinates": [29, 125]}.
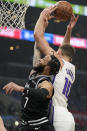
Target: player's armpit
{"type": "Point", "coordinates": [47, 85]}
{"type": "Point", "coordinates": [10, 87]}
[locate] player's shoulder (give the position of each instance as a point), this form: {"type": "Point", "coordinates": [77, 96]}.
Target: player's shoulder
{"type": "Point", "coordinates": [46, 82]}
{"type": "Point", "coordinates": [70, 70]}
{"type": "Point", "coordinates": [69, 66]}
{"type": "Point", "coordinates": [68, 63]}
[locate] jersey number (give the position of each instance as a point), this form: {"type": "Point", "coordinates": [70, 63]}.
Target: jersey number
{"type": "Point", "coordinates": [67, 87]}
{"type": "Point", "coordinates": [26, 101]}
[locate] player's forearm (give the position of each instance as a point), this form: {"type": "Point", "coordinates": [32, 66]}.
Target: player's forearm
{"type": "Point", "coordinates": [17, 88]}
{"type": "Point", "coordinates": [41, 42]}
{"type": "Point", "coordinates": [39, 28]}
{"type": "Point", "coordinates": [21, 89]}
{"type": "Point", "coordinates": [67, 37]}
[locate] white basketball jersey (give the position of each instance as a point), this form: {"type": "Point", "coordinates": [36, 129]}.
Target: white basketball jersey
{"type": "Point", "coordinates": [62, 84]}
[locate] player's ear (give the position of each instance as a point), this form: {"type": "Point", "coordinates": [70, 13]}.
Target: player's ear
{"type": "Point", "coordinates": [47, 68]}
{"type": "Point", "coordinates": [70, 59]}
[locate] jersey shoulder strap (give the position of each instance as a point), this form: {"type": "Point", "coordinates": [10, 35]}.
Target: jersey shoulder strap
{"type": "Point", "coordinates": [41, 78]}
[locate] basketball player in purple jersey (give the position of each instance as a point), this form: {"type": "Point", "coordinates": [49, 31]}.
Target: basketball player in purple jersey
{"type": "Point", "coordinates": [63, 120]}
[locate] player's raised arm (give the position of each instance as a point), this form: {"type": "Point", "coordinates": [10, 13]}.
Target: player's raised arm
{"type": "Point", "coordinates": [69, 30]}
{"type": "Point", "coordinates": [40, 28]}
{"type": "Point", "coordinates": [37, 55]}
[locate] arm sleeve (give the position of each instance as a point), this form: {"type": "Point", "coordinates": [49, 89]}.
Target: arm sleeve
{"type": "Point", "coordinates": [39, 93]}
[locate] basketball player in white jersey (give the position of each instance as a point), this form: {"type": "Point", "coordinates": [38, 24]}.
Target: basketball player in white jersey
{"type": "Point", "coordinates": [63, 120]}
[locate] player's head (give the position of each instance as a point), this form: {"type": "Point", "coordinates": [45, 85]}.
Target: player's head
{"type": "Point", "coordinates": [66, 51]}
{"type": "Point", "coordinates": [49, 65]}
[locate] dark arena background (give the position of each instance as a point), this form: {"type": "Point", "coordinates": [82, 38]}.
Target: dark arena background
{"type": "Point", "coordinates": [16, 55]}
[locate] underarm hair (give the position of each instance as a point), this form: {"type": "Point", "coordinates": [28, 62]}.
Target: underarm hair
{"type": "Point", "coordinates": [37, 55]}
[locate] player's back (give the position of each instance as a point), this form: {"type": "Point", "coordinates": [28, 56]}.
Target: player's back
{"type": "Point", "coordinates": [62, 84]}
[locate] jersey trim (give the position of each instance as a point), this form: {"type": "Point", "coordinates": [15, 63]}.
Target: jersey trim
{"type": "Point", "coordinates": [35, 122]}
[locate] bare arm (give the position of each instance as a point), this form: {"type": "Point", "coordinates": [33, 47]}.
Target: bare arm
{"type": "Point", "coordinates": [10, 87]}
{"type": "Point", "coordinates": [37, 55]}
{"type": "Point", "coordinates": [40, 28]}
{"type": "Point", "coordinates": [2, 127]}
{"type": "Point", "coordinates": [69, 30]}
{"type": "Point", "coordinates": [47, 85]}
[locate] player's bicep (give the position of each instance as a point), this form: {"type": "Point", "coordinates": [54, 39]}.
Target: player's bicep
{"type": "Point", "coordinates": [48, 86]}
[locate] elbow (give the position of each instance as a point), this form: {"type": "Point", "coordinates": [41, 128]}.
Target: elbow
{"type": "Point", "coordinates": [37, 35]}
{"type": "Point", "coordinates": [38, 38]}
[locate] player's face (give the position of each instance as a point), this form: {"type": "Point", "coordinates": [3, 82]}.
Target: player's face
{"type": "Point", "coordinates": [42, 64]}
{"type": "Point", "coordinates": [45, 60]}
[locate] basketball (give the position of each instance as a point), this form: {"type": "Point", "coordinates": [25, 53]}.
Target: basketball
{"type": "Point", "coordinates": [64, 11]}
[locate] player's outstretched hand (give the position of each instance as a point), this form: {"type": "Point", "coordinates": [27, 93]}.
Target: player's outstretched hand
{"type": "Point", "coordinates": [73, 21]}
{"type": "Point", "coordinates": [47, 12]}
{"type": "Point", "coordinates": [12, 87]}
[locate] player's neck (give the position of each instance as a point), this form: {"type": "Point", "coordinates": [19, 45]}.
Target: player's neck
{"type": "Point", "coordinates": [45, 72]}
{"type": "Point", "coordinates": [66, 58]}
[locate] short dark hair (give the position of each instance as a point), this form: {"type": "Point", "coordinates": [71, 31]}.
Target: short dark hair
{"type": "Point", "coordinates": [54, 65]}
{"type": "Point", "coordinates": [67, 50]}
